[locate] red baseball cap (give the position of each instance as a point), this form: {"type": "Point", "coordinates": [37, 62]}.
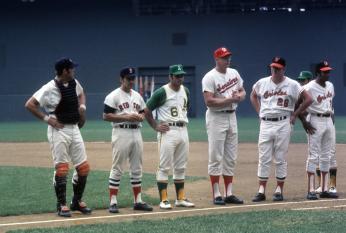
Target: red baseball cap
{"type": "Point", "coordinates": [222, 52]}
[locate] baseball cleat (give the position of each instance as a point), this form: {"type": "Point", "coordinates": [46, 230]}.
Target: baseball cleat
{"type": "Point", "coordinates": [113, 208]}
{"type": "Point", "coordinates": [165, 205]}
{"type": "Point", "coordinates": [278, 197]}
{"type": "Point", "coordinates": [233, 200]}
{"type": "Point", "coordinates": [142, 206]}
{"type": "Point", "coordinates": [333, 190]}
{"type": "Point", "coordinates": [64, 211]}
{"type": "Point", "coordinates": [259, 197]}
{"type": "Point", "coordinates": [184, 203]}
{"type": "Point", "coordinates": [81, 207]}
{"type": "Point", "coordinates": [219, 201]}
{"type": "Point", "coordinates": [311, 196]}
{"type": "Point", "coordinates": [318, 190]}
{"type": "Point", "coordinates": [326, 194]}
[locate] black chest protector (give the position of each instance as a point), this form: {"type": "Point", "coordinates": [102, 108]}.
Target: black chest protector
{"type": "Point", "coordinates": [67, 109]}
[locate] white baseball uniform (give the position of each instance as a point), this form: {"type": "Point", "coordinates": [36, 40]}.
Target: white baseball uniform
{"type": "Point", "coordinates": [171, 107]}
{"type": "Point", "coordinates": [127, 142]}
{"type": "Point", "coordinates": [221, 122]}
{"type": "Point", "coordinates": [67, 143]}
{"type": "Point", "coordinates": [277, 102]}
{"type": "Point", "coordinates": [320, 112]}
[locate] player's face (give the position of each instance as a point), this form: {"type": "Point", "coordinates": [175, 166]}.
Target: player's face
{"type": "Point", "coordinates": [325, 75]}
{"type": "Point", "coordinates": [223, 62]}
{"type": "Point", "coordinates": [127, 83]}
{"type": "Point", "coordinates": [277, 72]}
{"type": "Point", "coordinates": [177, 80]}
{"type": "Point", "coordinates": [68, 74]}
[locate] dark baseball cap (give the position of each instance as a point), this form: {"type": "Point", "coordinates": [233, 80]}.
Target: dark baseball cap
{"type": "Point", "coordinates": [176, 69]}
{"type": "Point", "coordinates": [278, 62]}
{"type": "Point", "coordinates": [64, 63]}
{"type": "Point", "coordinates": [323, 66]}
{"type": "Point", "coordinates": [222, 52]}
{"type": "Point", "coordinates": [128, 72]}
{"type": "Point", "coordinates": [305, 75]}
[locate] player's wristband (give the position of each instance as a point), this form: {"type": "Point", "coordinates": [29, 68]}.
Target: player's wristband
{"type": "Point", "coordinates": [82, 106]}
{"type": "Point", "coordinates": [46, 118]}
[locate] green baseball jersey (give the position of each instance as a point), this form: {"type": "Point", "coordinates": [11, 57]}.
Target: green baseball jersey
{"type": "Point", "coordinates": [170, 105]}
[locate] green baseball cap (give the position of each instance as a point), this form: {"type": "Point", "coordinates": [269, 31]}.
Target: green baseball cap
{"type": "Point", "coordinates": [176, 69]}
{"type": "Point", "coordinates": [305, 75]}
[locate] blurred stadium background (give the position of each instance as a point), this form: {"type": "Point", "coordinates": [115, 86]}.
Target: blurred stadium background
{"type": "Point", "coordinates": [103, 36]}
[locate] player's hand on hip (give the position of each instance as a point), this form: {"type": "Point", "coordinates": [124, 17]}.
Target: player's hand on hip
{"type": "Point", "coordinates": [162, 127]}
{"type": "Point", "coordinates": [55, 123]}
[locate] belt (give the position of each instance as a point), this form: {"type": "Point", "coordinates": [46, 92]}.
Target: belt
{"type": "Point", "coordinates": [127, 126]}
{"type": "Point", "coordinates": [227, 111]}
{"type": "Point", "coordinates": [274, 119]}
{"type": "Point", "coordinates": [323, 115]}
{"type": "Point", "coordinates": [178, 124]}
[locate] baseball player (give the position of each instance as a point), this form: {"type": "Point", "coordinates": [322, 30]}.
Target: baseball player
{"type": "Point", "coordinates": [63, 100]}
{"type": "Point", "coordinates": [124, 108]}
{"type": "Point", "coordinates": [274, 99]}
{"type": "Point", "coordinates": [222, 91]}
{"type": "Point", "coordinates": [171, 102]}
{"type": "Point", "coordinates": [322, 139]}
{"type": "Point", "coordinates": [304, 77]}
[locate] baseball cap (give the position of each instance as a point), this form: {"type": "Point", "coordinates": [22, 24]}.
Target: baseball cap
{"type": "Point", "coordinates": [222, 52]}
{"type": "Point", "coordinates": [323, 66]}
{"type": "Point", "coordinates": [64, 63]}
{"type": "Point", "coordinates": [128, 72]}
{"type": "Point", "coordinates": [305, 75]}
{"type": "Point", "coordinates": [278, 62]}
{"type": "Point", "coordinates": [176, 69]}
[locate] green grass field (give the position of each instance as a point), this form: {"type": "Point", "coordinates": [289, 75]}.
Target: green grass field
{"type": "Point", "coordinates": [250, 222]}
{"type": "Point", "coordinates": [30, 190]}
{"type": "Point", "coordinates": [101, 131]}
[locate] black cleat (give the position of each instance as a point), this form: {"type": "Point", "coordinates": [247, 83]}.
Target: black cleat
{"type": "Point", "coordinates": [259, 197]}
{"type": "Point", "coordinates": [81, 207]}
{"type": "Point", "coordinates": [311, 196]}
{"type": "Point", "coordinates": [113, 209]}
{"type": "Point", "coordinates": [142, 206]}
{"type": "Point", "coordinates": [278, 197]}
{"type": "Point", "coordinates": [326, 194]}
{"type": "Point", "coordinates": [233, 200]}
{"type": "Point", "coordinates": [63, 211]}
{"type": "Point", "coordinates": [219, 201]}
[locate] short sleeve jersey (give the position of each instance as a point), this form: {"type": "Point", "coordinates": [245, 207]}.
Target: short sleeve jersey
{"type": "Point", "coordinates": [222, 86]}
{"type": "Point", "coordinates": [277, 99]}
{"type": "Point", "coordinates": [170, 105]}
{"type": "Point", "coordinates": [49, 95]}
{"type": "Point", "coordinates": [322, 97]}
{"type": "Point", "coordinates": [125, 103]}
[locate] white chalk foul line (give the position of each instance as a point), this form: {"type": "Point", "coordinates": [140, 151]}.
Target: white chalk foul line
{"type": "Point", "coordinates": [165, 213]}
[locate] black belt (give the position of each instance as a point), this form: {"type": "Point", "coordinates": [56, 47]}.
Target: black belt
{"type": "Point", "coordinates": [179, 124]}
{"type": "Point", "coordinates": [274, 119]}
{"type": "Point", "coordinates": [227, 111]}
{"type": "Point", "coordinates": [323, 115]}
{"type": "Point", "coordinates": [126, 126]}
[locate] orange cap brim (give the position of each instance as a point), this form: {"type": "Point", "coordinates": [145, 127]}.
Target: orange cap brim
{"type": "Point", "coordinates": [277, 65]}
{"type": "Point", "coordinates": [326, 69]}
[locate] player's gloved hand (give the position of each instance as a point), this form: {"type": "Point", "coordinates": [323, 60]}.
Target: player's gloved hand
{"type": "Point", "coordinates": [308, 127]}
{"type": "Point", "coordinates": [162, 127]}
{"type": "Point", "coordinates": [55, 123]}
